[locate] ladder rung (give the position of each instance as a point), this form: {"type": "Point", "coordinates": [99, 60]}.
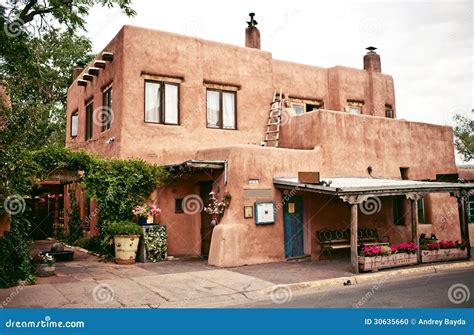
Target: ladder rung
{"type": "Point", "coordinates": [272, 131]}
{"type": "Point", "coordinates": [273, 124]}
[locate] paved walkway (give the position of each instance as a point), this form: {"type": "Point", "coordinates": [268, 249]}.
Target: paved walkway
{"type": "Point", "coordinates": [91, 282]}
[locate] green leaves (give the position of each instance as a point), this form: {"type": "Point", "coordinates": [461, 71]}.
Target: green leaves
{"type": "Point", "coordinates": [464, 137]}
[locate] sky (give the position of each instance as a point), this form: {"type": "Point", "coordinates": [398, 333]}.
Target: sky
{"type": "Point", "coordinates": [427, 46]}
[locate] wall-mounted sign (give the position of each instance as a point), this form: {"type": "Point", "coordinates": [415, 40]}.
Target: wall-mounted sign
{"type": "Point", "coordinates": [248, 212]}
{"type": "Point", "coordinates": [291, 207]}
{"type": "Point", "coordinates": [264, 212]}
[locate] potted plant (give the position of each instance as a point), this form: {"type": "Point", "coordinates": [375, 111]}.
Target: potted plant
{"type": "Point", "coordinates": [125, 236]}
{"type": "Point", "coordinates": [44, 264]}
{"type": "Point", "coordinates": [443, 251]}
{"type": "Point", "coordinates": [145, 213]}
{"type": "Point", "coordinates": [374, 257]}
{"type": "Point", "coordinates": [215, 208]}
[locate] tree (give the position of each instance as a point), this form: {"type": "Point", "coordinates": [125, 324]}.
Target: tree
{"type": "Point", "coordinates": [464, 136]}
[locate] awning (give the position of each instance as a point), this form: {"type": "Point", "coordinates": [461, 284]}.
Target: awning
{"type": "Point", "coordinates": [191, 166]}
{"type": "Point", "coordinates": [374, 186]}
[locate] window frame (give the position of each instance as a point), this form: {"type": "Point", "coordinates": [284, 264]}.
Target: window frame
{"type": "Point", "coordinates": [354, 104]}
{"type": "Point", "coordinates": [74, 114]}
{"type": "Point", "coordinates": [388, 108]}
{"type": "Point", "coordinates": [89, 133]}
{"type": "Point", "coordinates": [304, 102]}
{"type": "Point", "coordinates": [107, 125]}
{"type": "Point", "coordinates": [162, 110]}
{"type": "Point", "coordinates": [469, 207]}
{"type": "Point", "coordinates": [421, 210]}
{"type": "Point", "coordinates": [221, 109]}
{"type": "Point", "coordinates": [398, 210]}
{"type": "Point", "coordinates": [178, 205]}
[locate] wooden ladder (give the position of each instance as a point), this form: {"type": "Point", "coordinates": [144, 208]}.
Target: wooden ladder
{"type": "Point", "coordinates": [272, 135]}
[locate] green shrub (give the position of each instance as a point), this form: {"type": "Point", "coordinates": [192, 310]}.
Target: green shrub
{"type": "Point", "coordinates": [15, 260]}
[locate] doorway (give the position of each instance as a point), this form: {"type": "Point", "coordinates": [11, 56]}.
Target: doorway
{"type": "Point", "coordinates": [205, 187]}
{"type": "Point", "coordinates": [293, 227]}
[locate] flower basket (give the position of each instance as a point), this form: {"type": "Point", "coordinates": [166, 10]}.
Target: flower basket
{"type": "Point", "coordinates": [384, 262]}
{"type": "Point", "coordinates": [428, 256]}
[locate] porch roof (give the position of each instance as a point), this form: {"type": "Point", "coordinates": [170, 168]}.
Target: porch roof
{"type": "Point", "coordinates": [362, 186]}
{"type": "Point", "coordinates": [198, 164]}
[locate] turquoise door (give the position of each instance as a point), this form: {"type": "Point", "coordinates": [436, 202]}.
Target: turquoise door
{"type": "Point", "coordinates": [294, 227]}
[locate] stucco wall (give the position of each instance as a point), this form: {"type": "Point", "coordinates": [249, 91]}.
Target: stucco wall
{"type": "Point", "coordinates": [350, 143]}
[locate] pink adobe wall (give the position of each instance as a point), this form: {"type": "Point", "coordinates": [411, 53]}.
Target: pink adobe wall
{"type": "Point", "coordinates": [466, 174]}
{"type": "Point", "coordinates": [350, 143]}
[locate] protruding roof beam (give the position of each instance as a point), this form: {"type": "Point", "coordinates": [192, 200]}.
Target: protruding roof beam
{"type": "Point", "coordinates": [94, 71]}
{"type": "Point", "coordinates": [99, 64]}
{"type": "Point", "coordinates": [81, 82]}
{"type": "Point", "coordinates": [108, 56]}
{"type": "Point", "coordinates": [87, 77]}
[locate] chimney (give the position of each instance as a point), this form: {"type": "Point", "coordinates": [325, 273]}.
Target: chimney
{"type": "Point", "coordinates": [372, 60]}
{"type": "Point", "coordinates": [252, 34]}
{"type": "Point", "coordinates": [76, 72]}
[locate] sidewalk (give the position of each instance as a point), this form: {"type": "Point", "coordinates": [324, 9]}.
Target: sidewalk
{"type": "Point", "coordinates": [88, 282]}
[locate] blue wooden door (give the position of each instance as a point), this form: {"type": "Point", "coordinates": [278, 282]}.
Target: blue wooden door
{"type": "Point", "coordinates": [294, 227]}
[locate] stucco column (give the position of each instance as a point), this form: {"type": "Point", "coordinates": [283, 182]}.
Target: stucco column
{"type": "Point", "coordinates": [354, 254]}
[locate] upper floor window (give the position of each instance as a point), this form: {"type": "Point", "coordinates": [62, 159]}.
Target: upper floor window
{"type": "Point", "coordinates": [74, 124]}
{"type": "Point", "coordinates": [89, 120]}
{"type": "Point", "coordinates": [161, 102]}
{"type": "Point", "coordinates": [421, 211]}
{"type": "Point", "coordinates": [301, 106]}
{"type": "Point", "coordinates": [221, 109]}
{"type": "Point", "coordinates": [107, 114]}
{"type": "Point", "coordinates": [398, 210]}
{"type": "Point", "coordinates": [388, 111]}
{"type": "Point", "coordinates": [354, 107]}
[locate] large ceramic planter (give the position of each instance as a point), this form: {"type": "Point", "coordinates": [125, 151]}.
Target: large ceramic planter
{"type": "Point", "coordinates": [428, 256]}
{"type": "Point", "coordinates": [45, 270]}
{"type": "Point", "coordinates": [126, 248]}
{"type": "Point", "coordinates": [384, 262]}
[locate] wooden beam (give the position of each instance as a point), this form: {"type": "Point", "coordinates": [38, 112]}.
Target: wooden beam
{"type": "Point", "coordinates": [108, 56]}
{"type": "Point", "coordinates": [414, 226]}
{"type": "Point", "coordinates": [354, 254]}
{"type": "Point", "coordinates": [93, 71]}
{"type": "Point", "coordinates": [463, 221]}
{"type": "Point", "coordinates": [100, 64]}
{"type": "Point", "coordinates": [87, 77]}
{"type": "Point", "coordinates": [81, 82]}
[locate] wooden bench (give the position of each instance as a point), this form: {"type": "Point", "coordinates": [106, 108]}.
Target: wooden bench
{"type": "Point", "coordinates": [331, 240]}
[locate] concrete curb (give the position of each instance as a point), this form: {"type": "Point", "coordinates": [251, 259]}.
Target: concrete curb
{"type": "Point", "coordinates": [379, 276]}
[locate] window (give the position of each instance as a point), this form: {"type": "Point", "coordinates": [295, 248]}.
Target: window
{"type": "Point", "coordinates": [421, 211]}
{"type": "Point", "coordinates": [107, 115]}
{"type": "Point", "coordinates": [470, 209]}
{"type": "Point", "coordinates": [388, 111]}
{"type": "Point", "coordinates": [301, 106]}
{"type": "Point", "coordinates": [404, 173]}
{"type": "Point", "coordinates": [74, 124]}
{"type": "Point", "coordinates": [221, 109]}
{"type": "Point", "coordinates": [354, 107]}
{"type": "Point", "coordinates": [178, 206]}
{"type": "Point", "coordinates": [89, 120]}
{"type": "Point", "coordinates": [161, 102]}
{"type": "Point", "coordinates": [398, 210]}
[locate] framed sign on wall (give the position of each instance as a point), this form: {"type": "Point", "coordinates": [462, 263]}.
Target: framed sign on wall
{"type": "Point", "coordinates": [248, 212]}
{"type": "Point", "coordinates": [264, 212]}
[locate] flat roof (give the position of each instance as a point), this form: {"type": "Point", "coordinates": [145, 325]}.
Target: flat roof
{"type": "Point", "coordinates": [359, 185]}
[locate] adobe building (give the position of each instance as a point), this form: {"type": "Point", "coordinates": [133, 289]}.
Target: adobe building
{"type": "Point", "coordinates": [235, 121]}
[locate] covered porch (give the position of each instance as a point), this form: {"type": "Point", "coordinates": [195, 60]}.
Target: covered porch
{"type": "Point", "coordinates": [364, 211]}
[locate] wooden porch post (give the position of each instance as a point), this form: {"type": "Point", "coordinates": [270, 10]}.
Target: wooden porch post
{"type": "Point", "coordinates": [414, 225]}
{"type": "Point", "coordinates": [463, 221]}
{"type": "Point", "coordinates": [354, 255]}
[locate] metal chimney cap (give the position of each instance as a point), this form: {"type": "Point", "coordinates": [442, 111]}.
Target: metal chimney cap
{"type": "Point", "coordinates": [371, 49]}
{"type": "Point", "coordinates": [252, 22]}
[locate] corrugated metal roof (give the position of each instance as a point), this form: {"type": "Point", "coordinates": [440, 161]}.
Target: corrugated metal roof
{"type": "Point", "coordinates": [354, 185]}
